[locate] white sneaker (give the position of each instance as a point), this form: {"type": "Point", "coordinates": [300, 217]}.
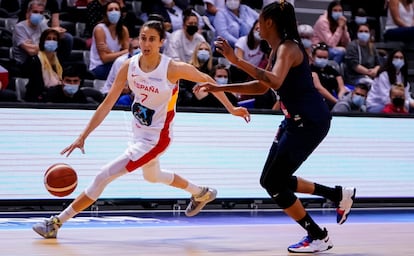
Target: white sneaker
{"type": "Point", "coordinates": [344, 207]}
{"type": "Point", "coordinates": [309, 245]}
{"type": "Point", "coordinates": [198, 202]}
{"type": "Point", "coordinates": [48, 228]}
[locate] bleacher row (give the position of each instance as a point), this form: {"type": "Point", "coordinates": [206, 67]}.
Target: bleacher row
{"type": "Point", "coordinates": [74, 21]}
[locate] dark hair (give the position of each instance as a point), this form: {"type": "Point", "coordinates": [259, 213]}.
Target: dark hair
{"type": "Point", "coordinates": [44, 35]}
{"type": "Point", "coordinates": [283, 15]}
{"type": "Point", "coordinates": [320, 46]}
{"type": "Point", "coordinates": [333, 24]}
{"type": "Point", "coordinates": [220, 66]}
{"type": "Point", "coordinates": [119, 26]}
{"type": "Point", "coordinates": [360, 12]}
{"type": "Point", "coordinates": [250, 37]}
{"type": "Point", "coordinates": [157, 25]}
{"type": "Point", "coordinates": [187, 13]}
{"type": "Point", "coordinates": [391, 71]}
{"type": "Point", "coordinates": [70, 71]}
{"type": "Point", "coordinates": [362, 86]}
{"type": "Point", "coordinates": [156, 16]}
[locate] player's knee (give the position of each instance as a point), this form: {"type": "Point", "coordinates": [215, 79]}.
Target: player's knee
{"type": "Point", "coordinates": [158, 177]}
{"type": "Point", "coordinates": [150, 177]}
{"type": "Point", "coordinates": [284, 199]}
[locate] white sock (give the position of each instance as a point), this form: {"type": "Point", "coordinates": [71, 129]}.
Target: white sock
{"type": "Point", "coordinates": [68, 213]}
{"type": "Point", "coordinates": [193, 189]}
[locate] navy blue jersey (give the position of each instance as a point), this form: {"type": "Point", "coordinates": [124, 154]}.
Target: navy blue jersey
{"type": "Point", "coordinates": [299, 97]}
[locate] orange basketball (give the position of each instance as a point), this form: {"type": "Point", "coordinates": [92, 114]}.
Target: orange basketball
{"type": "Point", "coordinates": [60, 179]}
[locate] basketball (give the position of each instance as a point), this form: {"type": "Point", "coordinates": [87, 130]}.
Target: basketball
{"type": "Point", "coordinates": [60, 179]}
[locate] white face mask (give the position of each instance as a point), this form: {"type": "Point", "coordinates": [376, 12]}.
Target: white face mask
{"type": "Point", "coordinates": [233, 4]}
{"type": "Point", "coordinates": [70, 89]}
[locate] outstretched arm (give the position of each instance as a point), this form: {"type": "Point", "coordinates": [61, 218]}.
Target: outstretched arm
{"type": "Point", "coordinates": [102, 111]}
{"type": "Point", "coordinates": [180, 70]}
{"type": "Point", "coordinates": [288, 55]}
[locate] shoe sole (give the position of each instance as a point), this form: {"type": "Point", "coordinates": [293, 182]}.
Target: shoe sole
{"type": "Point", "coordinates": [345, 216]}
{"type": "Point", "coordinates": [40, 234]}
{"type": "Point", "coordinates": [201, 205]}
{"type": "Point", "coordinates": [329, 247]}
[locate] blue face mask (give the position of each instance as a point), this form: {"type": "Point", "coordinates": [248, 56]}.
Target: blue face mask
{"type": "Point", "coordinates": [70, 89]}
{"type": "Point", "coordinates": [320, 62]}
{"type": "Point", "coordinates": [398, 63]}
{"type": "Point", "coordinates": [50, 45]}
{"type": "Point", "coordinates": [222, 80]}
{"type": "Point", "coordinates": [360, 20]}
{"type": "Point", "coordinates": [307, 43]}
{"type": "Point", "coordinates": [337, 15]}
{"type": "Point", "coordinates": [358, 100]}
{"type": "Point", "coordinates": [363, 36]}
{"type": "Point", "coordinates": [36, 18]}
{"type": "Point", "coordinates": [114, 16]}
{"type": "Point", "coordinates": [203, 55]}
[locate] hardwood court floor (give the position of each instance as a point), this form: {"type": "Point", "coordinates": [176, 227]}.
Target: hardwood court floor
{"type": "Point", "coordinates": [246, 236]}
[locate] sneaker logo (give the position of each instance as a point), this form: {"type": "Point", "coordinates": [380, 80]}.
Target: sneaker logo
{"type": "Point", "coordinates": [307, 224]}
{"type": "Point", "coordinates": [275, 195]}
{"type": "Point", "coordinates": [326, 240]}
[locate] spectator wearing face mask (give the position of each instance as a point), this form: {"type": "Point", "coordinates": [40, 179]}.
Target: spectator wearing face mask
{"type": "Point", "coordinates": [328, 81]}
{"type": "Point", "coordinates": [202, 59]}
{"type": "Point", "coordinates": [45, 68]}
{"type": "Point", "coordinates": [359, 18]}
{"type": "Point", "coordinates": [397, 100]}
{"type": "Point", "coordinates": [394, 71]}
{"type": "Point", "coordinates": [234, 21]}
{"type": "Point", "coordinates": [68, 91]}
{"type": "Point", "coordinates": [331, 28]}
{"type": "Point", "coordinates": [306, 34]}
{"type": "Point", "coordinates": [181, 43]}
{"type": "Point", "coordinates": [353, 101]}
{"type": "Point", "coordinates": [221, 74]}
{"type": "Point", "coordinates": [110, 40]}
{"type": "Point", "coordinates": [362, 60]}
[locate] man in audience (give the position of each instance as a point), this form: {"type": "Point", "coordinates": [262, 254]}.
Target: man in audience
{"type": "Point", "coordinates": [353, 101]}
{"type": "Point", "coordinates": [68, 92]}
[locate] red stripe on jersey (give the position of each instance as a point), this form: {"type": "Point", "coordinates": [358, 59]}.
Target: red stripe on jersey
{"type": "Point", "coordinates": [162, 144]}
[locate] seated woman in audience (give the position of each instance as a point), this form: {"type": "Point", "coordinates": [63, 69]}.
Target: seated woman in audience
{"type": "Point", "coordinates": [221, 74]}
{"type": "Point", "coordinates": [361, 59]}
{"type": "Point", "coordinates": [397, 99]}
{"type": "Point", "coordinates": [400, 21]}
{"type": "Point", "coordinates": [46, 70]}
{"type": "Point", "coordinates": [234, 21]}
{"type": "Point", "coordinates": [202, 59]}
{"type": "Point", "coordinates": [110, 40]}
{"type": "Point", "coordinates": [332, 29]}
{"type": "Point", "coordinates": [328, 81]}
{"type": "Point", "coordinates": [393, 72]}
{"type": "Point", "coordinates": [212, 7]}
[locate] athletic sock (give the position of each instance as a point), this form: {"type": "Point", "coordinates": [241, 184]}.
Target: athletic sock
{"type": "Point", "coordinates": [313, 229]}
{"type": "Point", "coordinates": [193, 189]}
{"type": "Point", "coordinates": [333, 194]}
{"type": "Point", "coordinates": [67, 214]}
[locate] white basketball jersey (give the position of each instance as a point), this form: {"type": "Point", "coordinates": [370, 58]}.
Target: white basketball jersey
{"type": "Point", "coordinates": [155, 96]}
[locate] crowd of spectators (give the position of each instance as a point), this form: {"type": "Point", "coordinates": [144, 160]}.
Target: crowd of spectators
{"type": "Point", "coordinates": [348, 70]}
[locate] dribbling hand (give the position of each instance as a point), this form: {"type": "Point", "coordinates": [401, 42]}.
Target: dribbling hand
{"type": "Point", "coordinates": [78, 143]}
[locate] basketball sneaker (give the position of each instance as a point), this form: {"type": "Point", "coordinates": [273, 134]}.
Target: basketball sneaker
{"type": "Point", "coordinates": [310, 245]}
{"type": "Point", "coordinates": [48, 228]}
{"type": "Point", "coordinates": [344, 207]}
{"type": "Point", "coordinates": [198, 202]}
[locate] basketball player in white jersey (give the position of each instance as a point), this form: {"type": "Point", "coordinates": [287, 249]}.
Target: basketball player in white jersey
{"type": "Point", "coordinates": [153, 78]}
